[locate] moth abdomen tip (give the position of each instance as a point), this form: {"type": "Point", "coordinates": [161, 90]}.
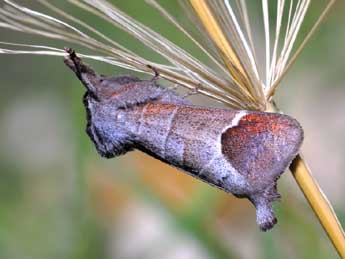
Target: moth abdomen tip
{"type": "Point", "coordinates": [267, 225]}
{"type": "Point", "coordinates": [265, 216]}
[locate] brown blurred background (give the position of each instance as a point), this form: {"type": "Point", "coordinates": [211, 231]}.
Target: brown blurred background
{"type": "Point", "coordinates": [59, 199]}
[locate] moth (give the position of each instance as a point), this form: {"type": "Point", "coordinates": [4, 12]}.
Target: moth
{"type": "Point", "coordinates": [240, 152]}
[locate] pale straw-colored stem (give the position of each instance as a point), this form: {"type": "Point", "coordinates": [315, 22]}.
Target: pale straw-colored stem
{"type": "Point", "coordinates": [235, 67]}
{"type": "Point", "coordinates": [307, 183]}
{"type": "Point", "coordinates": [319, 203]}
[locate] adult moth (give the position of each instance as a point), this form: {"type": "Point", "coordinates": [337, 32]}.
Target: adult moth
{"type": "Point", "coordinates": [241, 152]}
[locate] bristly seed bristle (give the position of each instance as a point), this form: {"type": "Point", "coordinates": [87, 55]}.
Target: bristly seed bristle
{"type": "Point", "coordinates": [234, 80]}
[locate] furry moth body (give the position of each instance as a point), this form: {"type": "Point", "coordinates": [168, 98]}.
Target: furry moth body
{"type": "Point", "coordinates": [240, 152]}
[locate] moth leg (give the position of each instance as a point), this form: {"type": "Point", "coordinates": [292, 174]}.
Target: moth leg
{"type": "Point", "coordinates": [84, 72]}
{"type": "Point", "coordinates": [73, 61]}
{"type": "Point", "coordinates": [76, 64]}
{"type": "Point", "coordinates": [173, 88]}
{"type": "Point", "coordinates": [193, 91]}
{"type": "Point", "coordinates": [156, 73]}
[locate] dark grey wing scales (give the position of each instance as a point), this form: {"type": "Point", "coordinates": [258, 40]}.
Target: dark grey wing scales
{"type": "Point", "coordinates": [122, 80]}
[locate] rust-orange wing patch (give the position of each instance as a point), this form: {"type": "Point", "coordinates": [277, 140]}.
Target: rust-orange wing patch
{"type": "Point", "coordinates": [262, 144]}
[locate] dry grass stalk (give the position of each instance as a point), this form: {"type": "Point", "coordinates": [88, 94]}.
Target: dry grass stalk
{"type": "Point", "coordinates": [319, 202]}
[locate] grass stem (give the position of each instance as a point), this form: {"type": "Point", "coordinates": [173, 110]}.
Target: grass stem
{"type": "Point", "coordinates": [319, 203]}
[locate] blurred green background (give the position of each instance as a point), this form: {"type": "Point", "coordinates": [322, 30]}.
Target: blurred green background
{"type": "Point", "coordinates": [59, 199]}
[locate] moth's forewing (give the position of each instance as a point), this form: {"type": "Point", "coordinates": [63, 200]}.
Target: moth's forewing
{"type": "Point", "coordinates": [262, 145]}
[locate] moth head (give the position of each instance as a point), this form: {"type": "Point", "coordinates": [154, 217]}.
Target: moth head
{"type": "Point", "coordinates": [100, 88]}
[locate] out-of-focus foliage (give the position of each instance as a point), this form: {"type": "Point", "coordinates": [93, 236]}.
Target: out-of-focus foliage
{"type": "Point", "coordinates": [59, 199]}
